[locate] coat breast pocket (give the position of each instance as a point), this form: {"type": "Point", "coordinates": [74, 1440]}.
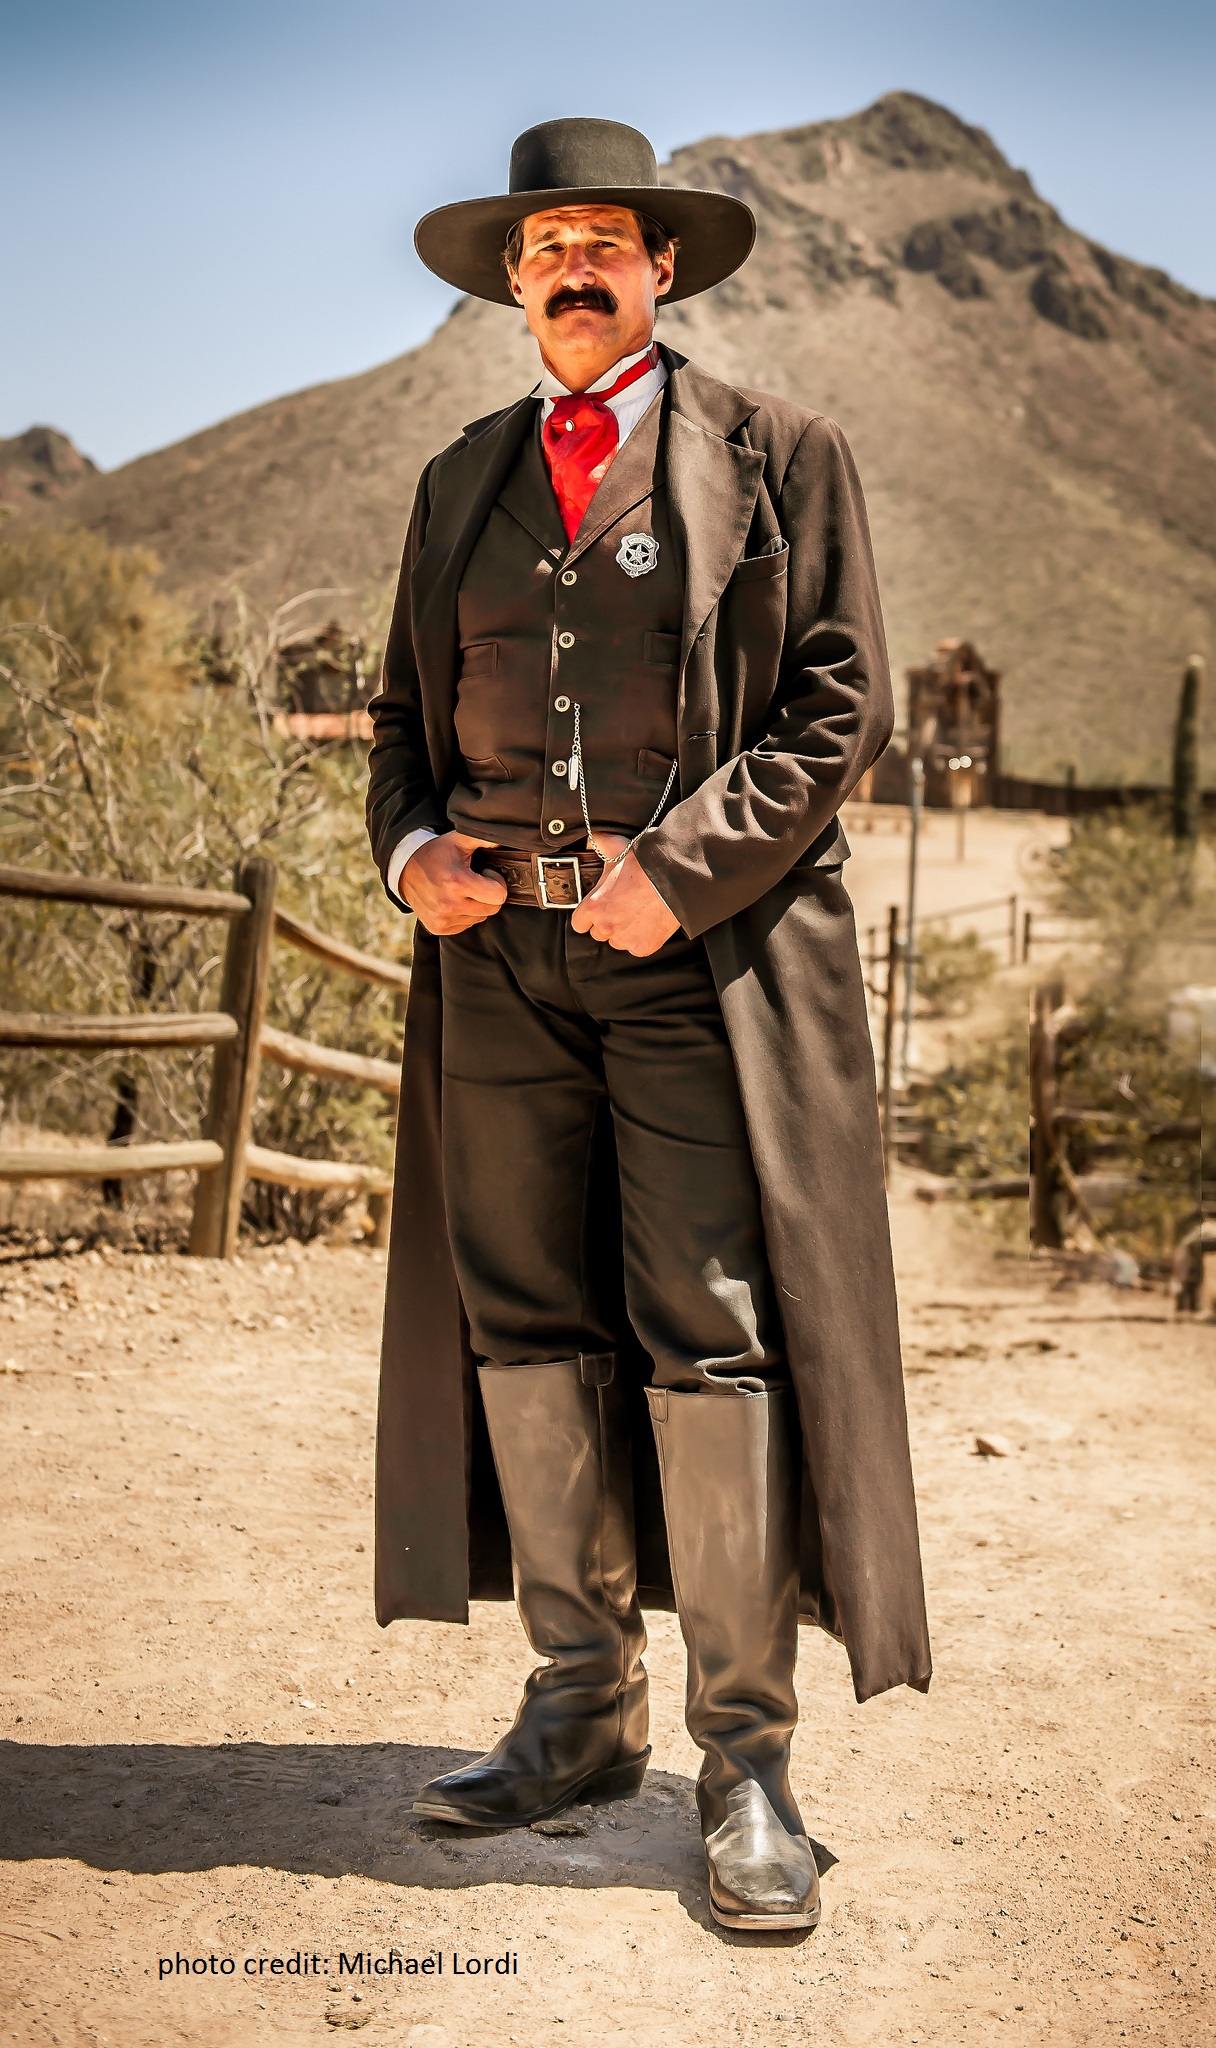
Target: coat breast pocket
{"type": "Point", "coordinates": [764, 568]}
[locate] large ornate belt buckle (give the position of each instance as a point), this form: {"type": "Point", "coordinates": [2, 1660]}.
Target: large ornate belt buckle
{"type": "Point", "coordinates": [559, 881]}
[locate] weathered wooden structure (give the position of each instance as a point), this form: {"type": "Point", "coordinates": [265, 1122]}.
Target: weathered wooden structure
{"type": "Point", "coordinates": [954, 724]}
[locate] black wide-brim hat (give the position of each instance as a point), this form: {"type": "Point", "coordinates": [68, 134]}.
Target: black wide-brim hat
{"type": "Point", "coordinates": [585, 163]}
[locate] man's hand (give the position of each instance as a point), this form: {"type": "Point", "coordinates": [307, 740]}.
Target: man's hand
{"type": "Point", "coordinates": [442, 890]}
{"type": "Point", "coordinates": [625, 909]}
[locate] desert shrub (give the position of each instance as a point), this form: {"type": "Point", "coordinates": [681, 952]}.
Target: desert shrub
{"type": "Point", "coordinates": [180, 786]}
{"type": "Point", "coordinates": [1121, 1063]}
{"type": "Point", "coordinates": [102, 602]}
{"type": "Point", "coordinates": [976, 1109]}
{"type": "Point", "coordinates": [1144, 901]}
{"type": "Point", "coordinates": [952, 971]}
{"type": "Point", "coordinates": [1145, 924]}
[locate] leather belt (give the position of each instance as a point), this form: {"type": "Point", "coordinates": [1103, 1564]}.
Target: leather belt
{"type": "Point", "coordinates": [548, 881]}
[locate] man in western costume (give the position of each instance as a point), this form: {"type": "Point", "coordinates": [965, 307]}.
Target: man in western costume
{"type": "Point", "coordinates": [636, 665]}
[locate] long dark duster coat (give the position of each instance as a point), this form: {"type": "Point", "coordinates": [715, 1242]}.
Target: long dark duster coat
{"type": "Point", "coordinates": [784, 700]}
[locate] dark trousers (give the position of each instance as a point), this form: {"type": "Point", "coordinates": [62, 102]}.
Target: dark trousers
{"type": "Point", "coordinates": [543, 1029]}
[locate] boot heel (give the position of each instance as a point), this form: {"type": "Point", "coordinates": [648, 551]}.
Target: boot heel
{"type": "Point", "coordinates": [622, 1781]}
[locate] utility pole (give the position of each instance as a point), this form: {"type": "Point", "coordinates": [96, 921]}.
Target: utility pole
{"type": "Point", "coordinates": [918, 797]}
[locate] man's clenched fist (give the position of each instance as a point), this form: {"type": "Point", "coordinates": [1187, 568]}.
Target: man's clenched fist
{"type": "Point", "coordinates": [625, 909]}
{"type": "Point", "coordinates": [441, 888]}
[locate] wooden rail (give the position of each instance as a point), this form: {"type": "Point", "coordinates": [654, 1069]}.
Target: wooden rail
{"type": "Point", "coordinates": [326, 1061]}
{"type": "Point", "coordinates": [336, 953]}
{"type": "Point", "coordinates": [106, 1162]}
{"type": "Point", "coordinates": [994, 1189]}
{"type": "Point", "coordinates": [104, 893]}
{"type": "Point", "coordinates": [115, 1034]}
{"type": "Point", "coordinates": [225, 1156]}
{"type": "Point", "coordinates": [289, 1172]}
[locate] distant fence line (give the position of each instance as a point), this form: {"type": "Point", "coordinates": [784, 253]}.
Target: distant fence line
{"type": "Point", "coordinates": [887, 783]}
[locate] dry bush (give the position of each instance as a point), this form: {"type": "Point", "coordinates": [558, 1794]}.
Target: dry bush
{"type": "Point", "coordinates": [952, 971]}
{"type": "Point", "coordinates": [178, 784]}
{"type": "Point", "coordinates": [103, 602]}
{"type": "Point", "coordinates": [1149, 922]}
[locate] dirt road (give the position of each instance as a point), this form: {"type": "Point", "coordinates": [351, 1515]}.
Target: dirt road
{"type": "Point", "coordinates": [210, 1748]}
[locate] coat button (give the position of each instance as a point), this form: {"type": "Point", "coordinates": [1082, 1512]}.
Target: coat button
{"type": "Point", "coordinates": [559, 768]}
{"type": "Point", "coordinates": [556, 827]}
{"type": "Point", "coordinates": [565, 639]}
{"type": "Point", "coordinates": [569, 577]}
{"type": "Point", "coordinates": [561, 703]}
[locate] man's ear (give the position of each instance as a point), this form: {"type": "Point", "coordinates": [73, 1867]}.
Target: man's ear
{"type": "Point", "coordinates": [513, 281]}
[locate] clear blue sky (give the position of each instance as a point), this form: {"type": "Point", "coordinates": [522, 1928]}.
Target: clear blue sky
{"type": "Point", "coordinates": [206, 206]}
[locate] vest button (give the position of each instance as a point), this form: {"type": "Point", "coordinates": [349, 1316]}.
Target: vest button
{"type": "Point", "coordinates": [569, 577]}
{"type": "Point", "coordinates": [561, 703]}
{"type": "Point", "coordinates": [556, 827]}
{"type": "Point", "coordinates": [565, 639]}
{"type": "Point", "coordinates": [559, 768]}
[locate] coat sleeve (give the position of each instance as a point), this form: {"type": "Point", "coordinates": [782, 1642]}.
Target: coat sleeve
{"type": "Point", "coordinates": [401, 793]}
{"type": "Point", "coordinates": [831, 713]}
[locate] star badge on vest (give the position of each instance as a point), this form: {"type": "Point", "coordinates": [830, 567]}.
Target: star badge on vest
{"type": "Point", "coordinates": [638, 553]}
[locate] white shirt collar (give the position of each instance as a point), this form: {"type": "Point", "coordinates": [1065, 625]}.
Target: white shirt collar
{"type": "Point", "coordinates": [550, 388]}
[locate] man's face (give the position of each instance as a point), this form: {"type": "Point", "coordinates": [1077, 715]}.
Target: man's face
{"type": "Point", "coordinates": [587, 285]}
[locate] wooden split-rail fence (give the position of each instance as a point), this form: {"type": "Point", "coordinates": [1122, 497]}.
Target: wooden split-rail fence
{"type": "Point", "coordinates": [224, 1156]}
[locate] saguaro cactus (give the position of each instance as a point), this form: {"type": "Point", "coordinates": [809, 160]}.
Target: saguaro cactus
{"type": "Point", "coordinates": [1186, 755]}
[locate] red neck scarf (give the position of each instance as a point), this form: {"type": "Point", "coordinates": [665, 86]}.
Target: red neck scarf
{"type": "Point", "coordinates": [580, 438]}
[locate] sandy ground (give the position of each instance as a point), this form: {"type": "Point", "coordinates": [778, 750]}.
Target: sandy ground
{"type": "Point", "coordinates": [210, 1748]}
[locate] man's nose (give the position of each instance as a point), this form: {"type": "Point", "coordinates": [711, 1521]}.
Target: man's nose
{"type": "Point", "coordinates": [578, 268]}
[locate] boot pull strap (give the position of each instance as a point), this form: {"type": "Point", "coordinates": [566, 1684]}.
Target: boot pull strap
{"type": "Point", "coordinates": [597, 1368]}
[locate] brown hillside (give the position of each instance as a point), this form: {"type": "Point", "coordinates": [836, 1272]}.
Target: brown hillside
{"type": "Point", "coordinates": [40, 464]}
{"type": "Point", "coordinates": [1035, 420]}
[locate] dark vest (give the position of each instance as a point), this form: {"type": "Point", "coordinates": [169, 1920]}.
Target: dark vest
{"type": "Point", "coordinates": [545, 625]}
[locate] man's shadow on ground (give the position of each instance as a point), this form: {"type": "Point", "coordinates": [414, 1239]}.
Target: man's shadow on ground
{"type": "Point", "coordinates": [332, 1810]}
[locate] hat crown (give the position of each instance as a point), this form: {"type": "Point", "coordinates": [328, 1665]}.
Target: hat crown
{"type": "Point", "coordinates": [568, 154]}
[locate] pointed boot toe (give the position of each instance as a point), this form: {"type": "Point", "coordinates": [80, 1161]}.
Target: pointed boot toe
{"type": "Point", "coordinates": [760, 1875]}
{"type": "Point", "coordinates": [507, 1791]}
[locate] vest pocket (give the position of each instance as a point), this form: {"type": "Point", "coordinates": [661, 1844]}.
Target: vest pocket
{"type": "Point", "coordinates": [663, 649]}
{"type": "Point", "coordinates": [480, 658]}
{"type": "Point", "coordinates": [653, 767]}
{"type": "Point", "coordinates": [486, 767]}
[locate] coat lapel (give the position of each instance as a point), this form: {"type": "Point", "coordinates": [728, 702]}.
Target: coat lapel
{"type": "Point", "coordinates": [712, 486]}
{"type": "Point", "coordinates": [466, 486]}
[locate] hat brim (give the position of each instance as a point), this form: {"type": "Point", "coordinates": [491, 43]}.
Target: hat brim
{"type": "Point", "coordinates": [463, 243]}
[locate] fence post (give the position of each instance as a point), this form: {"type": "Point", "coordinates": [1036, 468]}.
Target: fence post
{"type": "Point", "coordinates": [234, 1071]}
{"type": "Point", "coordinates": [888, 1038]}
{"type": "Point", "coordinates": [1013, 931]}
{"type": "Point", "coordinates": [1044, 1174]}
{"type": "Point", "coordinates": [1026, 922]}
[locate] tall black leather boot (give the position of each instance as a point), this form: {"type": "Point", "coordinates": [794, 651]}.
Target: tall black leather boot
{"type": "Point", "coordinates": [561, 1449]}
{"type": "Point", "coordinates": [730, 1494]}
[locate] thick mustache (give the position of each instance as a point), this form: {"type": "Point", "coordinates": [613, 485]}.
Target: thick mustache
{"type": "Point", "coordinates": [596, 298]}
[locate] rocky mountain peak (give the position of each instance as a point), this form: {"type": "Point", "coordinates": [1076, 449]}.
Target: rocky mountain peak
{"type": "Point", "coordinates": [40, 463]}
